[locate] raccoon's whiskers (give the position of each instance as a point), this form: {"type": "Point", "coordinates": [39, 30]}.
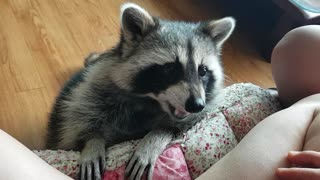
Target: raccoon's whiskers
{"type": "Point", "coordinates": [228, 78]}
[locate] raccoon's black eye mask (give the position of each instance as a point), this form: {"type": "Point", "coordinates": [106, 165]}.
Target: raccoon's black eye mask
{"type": "Point", "coordinates": [157, 78]}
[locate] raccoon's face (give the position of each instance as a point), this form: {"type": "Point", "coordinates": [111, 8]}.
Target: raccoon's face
{"type": "Point", "coordinates": [175, 63]}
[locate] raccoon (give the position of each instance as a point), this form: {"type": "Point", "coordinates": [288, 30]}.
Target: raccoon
{"type": "Point", "coordinates": [158, 81]}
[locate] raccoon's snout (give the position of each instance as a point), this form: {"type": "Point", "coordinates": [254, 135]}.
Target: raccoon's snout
{"type": "Point", "coordinates": [194, 105]}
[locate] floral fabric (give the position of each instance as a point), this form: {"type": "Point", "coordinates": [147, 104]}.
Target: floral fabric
{"type": "Point", "coordinates": [241, 107]}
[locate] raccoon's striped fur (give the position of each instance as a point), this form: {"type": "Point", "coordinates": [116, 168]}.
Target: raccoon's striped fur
{"type": "Point", "coordinates": [153, 84]}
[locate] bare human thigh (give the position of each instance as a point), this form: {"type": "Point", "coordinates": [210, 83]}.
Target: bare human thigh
{"type": "Point", "coordinates": [266, 146]}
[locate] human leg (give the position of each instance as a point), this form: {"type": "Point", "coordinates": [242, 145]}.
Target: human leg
{"type": "Point", "coordinates": [18, 162]}
{"type": "Point", "coordinates": [296, 64]}
{"type": "Point", "coordinates": [305, 164]}
{"type": "Point", "coordinates": [266, 146]}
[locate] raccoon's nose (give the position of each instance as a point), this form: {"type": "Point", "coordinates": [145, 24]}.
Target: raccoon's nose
{"type": "Point", "coordinates": [194, 105]}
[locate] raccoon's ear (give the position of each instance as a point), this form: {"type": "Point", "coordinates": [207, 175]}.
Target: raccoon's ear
{"type": "Point", "coordinates": [219, 30]}
{"type": "Point", "coordinates": [135, 21]}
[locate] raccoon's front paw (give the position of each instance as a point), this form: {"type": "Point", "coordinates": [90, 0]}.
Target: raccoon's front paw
{"type": "Point", "coordinates": [143, 158]}
{"type": "Point", "coordinates": [92, 163]}
{"type": "Point", "coordinates": [147, 152]}
{"type": "Point", "coordinates": [92, 167]}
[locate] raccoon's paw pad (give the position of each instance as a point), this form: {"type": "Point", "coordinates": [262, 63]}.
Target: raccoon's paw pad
{"type": "Point", "coordinates": [92, 169]}
{"type": "Point", "coordinates": [138, 163]}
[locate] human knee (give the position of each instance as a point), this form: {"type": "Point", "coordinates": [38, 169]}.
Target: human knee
{"type": "Point", "coordinates": [298, 43]}
{"type": "Point", "coordinates": [295, 64]}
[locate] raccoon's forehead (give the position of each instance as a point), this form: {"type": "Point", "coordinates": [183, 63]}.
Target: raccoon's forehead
{"type": "Point", "coordinates": [177, 40]}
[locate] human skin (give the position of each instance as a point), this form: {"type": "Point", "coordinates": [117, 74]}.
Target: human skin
{"type": "Point", "coordinates": [18, 162]}
{"type": "Point", "coordinates": [265, 148]}
{"type": "Point", "coordinates": [264, 153]}
{"type": "Point", "coordinates": [296, 64]}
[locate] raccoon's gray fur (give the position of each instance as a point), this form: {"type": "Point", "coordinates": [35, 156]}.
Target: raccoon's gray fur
{"type": "Point", "coordinates": [153, 84]}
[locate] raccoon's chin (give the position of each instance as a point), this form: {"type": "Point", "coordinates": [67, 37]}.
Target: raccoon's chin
{"type": "Point", "coordinates": [178, 113]}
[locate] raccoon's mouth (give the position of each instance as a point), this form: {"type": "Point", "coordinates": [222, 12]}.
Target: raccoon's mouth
{"type": "Point", "coordinates": [178, 113]}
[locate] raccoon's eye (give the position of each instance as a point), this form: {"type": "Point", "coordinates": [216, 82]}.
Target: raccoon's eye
{"type": "Point", "coordinates": [202, 70]}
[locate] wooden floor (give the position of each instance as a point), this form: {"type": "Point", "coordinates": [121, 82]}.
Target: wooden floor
{"type": "Point", "coordinates": [42, 42]}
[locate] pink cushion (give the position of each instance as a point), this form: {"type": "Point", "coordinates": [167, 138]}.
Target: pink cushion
{"type": "Point", "coordinates": [170, 165]}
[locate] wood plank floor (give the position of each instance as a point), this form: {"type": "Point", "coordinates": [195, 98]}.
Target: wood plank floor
{"type": "Point", "coordinates": [42, 42]}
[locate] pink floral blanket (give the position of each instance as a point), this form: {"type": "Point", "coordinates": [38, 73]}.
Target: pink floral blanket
{"type": "Point", "coordinates": [242, 106]}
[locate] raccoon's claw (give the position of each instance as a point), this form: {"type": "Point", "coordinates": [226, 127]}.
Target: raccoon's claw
{"type": "Point", "coordinates": [92, 160]}
{"type": "Point", "coordinates": [146, 154]}
{"type": "Point", "coordinates": [143, 158]}
{"type": "Point", "coordinates": [137, 166]}
{"type": "Point", "coordinates": [92, 170]}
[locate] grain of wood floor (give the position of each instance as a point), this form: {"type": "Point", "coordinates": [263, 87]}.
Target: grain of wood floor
{"type": "Point", "coordinates": [42, 42]}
